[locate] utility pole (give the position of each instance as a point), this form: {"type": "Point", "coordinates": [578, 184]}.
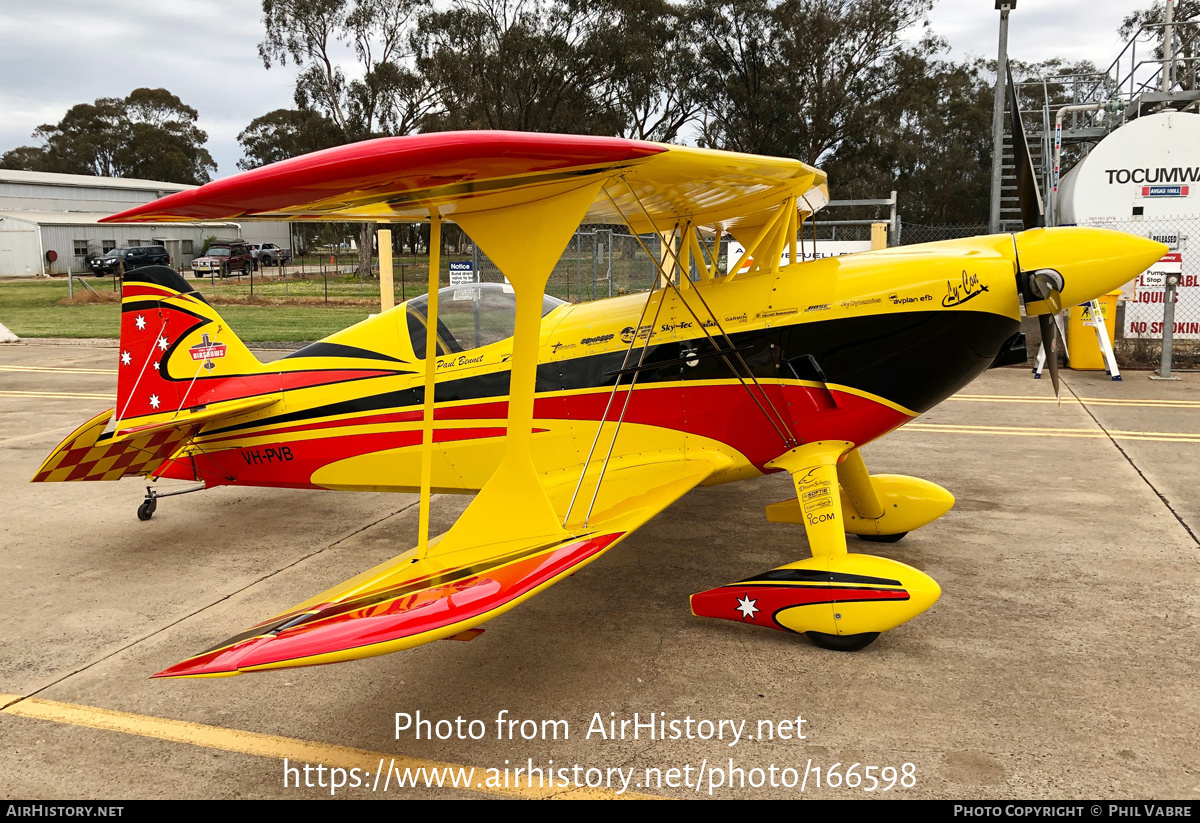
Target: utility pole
{"type": "Point", "coordinates": [1004, 7]}
{"type": "Point", "coordinates": [1168, 49]}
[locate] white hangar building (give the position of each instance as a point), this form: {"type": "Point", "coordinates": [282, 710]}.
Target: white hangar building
{"type": "Point", "coordinates": [50, 223]}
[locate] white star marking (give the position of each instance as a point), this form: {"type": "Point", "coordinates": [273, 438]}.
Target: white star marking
{"type": "Point", "coordinates": [162, 343]}
{"type": "Point", "coordinates": [154, 401]}
{"type": "Point", "coordinates": [141, 322]}
{"type": "Point", "coordinates": [125, 358]}
{"type": "Point", "coordinates": [156, 365]}
{"type": "Point", "coordinates": [746, 607]}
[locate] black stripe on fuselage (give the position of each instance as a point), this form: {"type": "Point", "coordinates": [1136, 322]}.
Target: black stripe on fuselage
{"type": "Point", "coordinates": [914, 359]}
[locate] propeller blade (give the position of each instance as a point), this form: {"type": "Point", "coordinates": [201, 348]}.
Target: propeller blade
{"type": "Point", "coordinates": [1050, 347]}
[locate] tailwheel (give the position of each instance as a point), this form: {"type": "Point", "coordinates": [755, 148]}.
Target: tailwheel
{"type": "Point", "coordinates": [882, 538]}
{"type": "Point", "coordinates": [842, 642]}
{"type": "Point", "coordinates": [146, 510]}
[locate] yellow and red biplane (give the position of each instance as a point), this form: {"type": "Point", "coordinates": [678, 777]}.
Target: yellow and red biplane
{"type": "Point", "coordinates": [575, 424]}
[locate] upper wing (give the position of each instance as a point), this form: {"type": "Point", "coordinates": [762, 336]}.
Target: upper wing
{"type": "Point", "coordinates": [412, 600]}
{"type": "Point", "coordinates": [401, 178]}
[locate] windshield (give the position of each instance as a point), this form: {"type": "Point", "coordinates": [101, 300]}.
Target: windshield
{"type": "Point", "coordinates": [468, 316]}
{"type": "Point", "coordinates": [218, 251]}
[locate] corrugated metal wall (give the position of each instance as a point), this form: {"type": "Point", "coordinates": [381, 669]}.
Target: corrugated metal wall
{"type": "Point", "coordinates": [19, 248]}
{"type": "Point", "coordinates": [62, 239]}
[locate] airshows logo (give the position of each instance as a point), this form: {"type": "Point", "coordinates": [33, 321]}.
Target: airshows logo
{"type": "Point", "coordinates": [1159, 175]}
{"type": "Point", "coordinates": [208, 351]}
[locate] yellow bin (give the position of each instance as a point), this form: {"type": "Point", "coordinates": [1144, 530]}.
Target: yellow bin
{"type": "Point", "coordinates": [1081, 340]}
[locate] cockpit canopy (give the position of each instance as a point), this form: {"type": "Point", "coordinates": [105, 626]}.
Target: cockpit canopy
{"type": "Point", "coordinates": [469, 316]}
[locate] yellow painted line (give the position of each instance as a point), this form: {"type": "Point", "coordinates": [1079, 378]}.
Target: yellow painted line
{"type": "Point", "coordinates": [296, 751]}
{"type": "Point", "coordinates": [59, 395]}
{"type": "Point", "coordinates": [1045, 431]}
{"type": "Point", "coordinates": [57, 370]}
{"type": "Point", "coordinates": [1096, 401]}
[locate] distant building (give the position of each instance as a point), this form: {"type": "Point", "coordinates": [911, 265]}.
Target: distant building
{"type": "Point", "coordinates": [41, 212]}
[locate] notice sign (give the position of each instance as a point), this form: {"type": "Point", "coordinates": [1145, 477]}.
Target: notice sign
{"type": "Point", "coordinates": [462, 272]}
{"type": "Point", "coordinates": [1144, 309]}
{"type": "Point", "coordinates": [805, 251]}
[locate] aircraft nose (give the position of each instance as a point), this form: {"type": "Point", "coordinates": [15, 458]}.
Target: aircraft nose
{"type": "Point", "coordinates": [1092, 262]}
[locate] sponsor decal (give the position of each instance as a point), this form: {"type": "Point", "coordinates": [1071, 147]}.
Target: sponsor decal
{"type": "Point", "coordinates": [675, 326]}
{"type": "Point", "coordinates": [769, 313]}
{"type": "Point", "coordinates": [627, 333]}
{"type": "Point", "coordinates": [595, 341]}
{"type": "Point", "coordinates": [967, 289]}
{"type": "Point", "coordinates": [738, 318]}
{"type": "Point", "coordinates": [818, 307]}
{"type": "Point", "coordinates": [897, 300]}
{"type": "Point", "coordinates": [860, 301]}
{"type": "Point", "coordinates": [556, 346]}
{"type": "Point", "coordinates": [208, 351]}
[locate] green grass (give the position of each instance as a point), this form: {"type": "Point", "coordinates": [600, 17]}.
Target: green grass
{"type": "Point", "coordinates": [35, 309]}
{"type": "Point", "coordinates": [278, 309]}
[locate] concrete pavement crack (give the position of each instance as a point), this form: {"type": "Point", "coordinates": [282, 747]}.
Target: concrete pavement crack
{"type": "Point", "coordinates": [1135, 466]}
{"type": "Point", "coordinates": [204, 608]}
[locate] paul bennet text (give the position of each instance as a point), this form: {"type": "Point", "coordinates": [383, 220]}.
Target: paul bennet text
{"type": "Point", "coordinates": [651, 726]}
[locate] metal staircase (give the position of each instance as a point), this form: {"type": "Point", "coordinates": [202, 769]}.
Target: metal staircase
{"type": "Point", "coordinates": [1131, 87]}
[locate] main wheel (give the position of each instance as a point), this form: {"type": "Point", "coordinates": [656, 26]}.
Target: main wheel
{"type": "Point", "coordinates": [842, 642]}
{"type": "Point", "coordinates": [882, 538]}
{"type": "Point", "coordinates": [146, 510]}
{"type": "Point", "coordinates": [246, 269]}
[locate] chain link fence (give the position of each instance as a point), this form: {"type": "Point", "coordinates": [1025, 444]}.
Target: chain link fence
{"type": "Point", "coordinates": [601, 261]}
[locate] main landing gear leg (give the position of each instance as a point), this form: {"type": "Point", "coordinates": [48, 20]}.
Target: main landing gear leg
{"type": "Point", "coordinates": [841, 601]}
{"type": "Point", "coordinates": [146, 510]}
{"type": "Point", "coordinates": [814, 468]}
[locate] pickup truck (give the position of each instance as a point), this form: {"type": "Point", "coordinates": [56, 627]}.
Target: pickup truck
{"type": "Point", "coordinates": [224, 258]}
{"type": "Point", "coordinates": [269, 254]}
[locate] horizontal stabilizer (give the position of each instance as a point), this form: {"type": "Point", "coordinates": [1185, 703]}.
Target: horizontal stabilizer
{"type": "Point", "coordinates": [91, 453]}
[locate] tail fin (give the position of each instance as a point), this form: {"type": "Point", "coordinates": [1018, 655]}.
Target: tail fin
{"type": "Point", "coordinates": [176, 352]}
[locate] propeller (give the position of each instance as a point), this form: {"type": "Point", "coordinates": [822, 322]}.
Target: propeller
{"type": "Point", "coordinates": [1047, 285]}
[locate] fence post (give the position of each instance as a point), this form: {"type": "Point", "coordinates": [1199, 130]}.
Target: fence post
{"type": "Point", "coordinates": [1164, 368]}
{"type": "Point", "coordinates": [70, 283]}
{"type": "Point", "coordinates": [610, 262]}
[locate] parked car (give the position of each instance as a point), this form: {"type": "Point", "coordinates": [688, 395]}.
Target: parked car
{"type": "Point", "coordinates": [133, 257]}
{"type": "Point", "coordinates": [270, 254]}
{"type": "Point", "coordinates": [224, 258]}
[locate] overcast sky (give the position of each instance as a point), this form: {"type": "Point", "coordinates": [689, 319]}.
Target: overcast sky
{"type": "Point", "coordinates": [56, 53]}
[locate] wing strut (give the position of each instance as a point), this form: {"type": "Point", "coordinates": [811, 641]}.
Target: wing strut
{"type": "Point", "coordinates": [789, 437]}
{"type": "Point", "coordinates": [525, 242]}
{"type": "Point", "coordinates": [431, 321]}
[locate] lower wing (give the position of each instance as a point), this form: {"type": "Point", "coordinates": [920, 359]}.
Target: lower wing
{"type": "Point", "coordinates": [411, 600]}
